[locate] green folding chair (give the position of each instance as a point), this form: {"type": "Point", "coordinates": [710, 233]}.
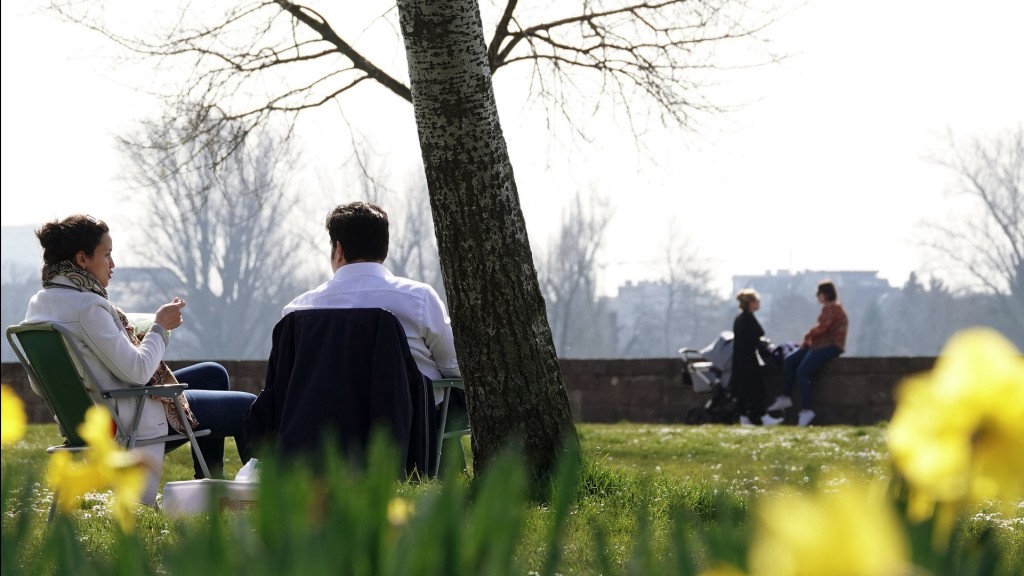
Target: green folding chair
{"type": "Point", "coordinates": [456, 432]}
{"type": "Point", "coordinates": [58, 373]}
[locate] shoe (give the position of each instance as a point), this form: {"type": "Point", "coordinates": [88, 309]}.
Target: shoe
{"type": "Point", "coordinates": [744, 421]}
{"type": "Point", "coordinates": [781, 403]}
{"type": "Point", "coordinates": [768, 420]}
{"type": "Point", "coordinates": [805, 417]}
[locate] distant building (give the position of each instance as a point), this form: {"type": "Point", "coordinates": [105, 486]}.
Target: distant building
{"type": "Point", "coordinates": [655, 318]}
{"type": "Point", "coordinates": [633, 311]}
{"type": "Point", "coordinates": [20, 254]}
{"type": "Point", "coordinates": [789, 306]}
{"type": "Point", "coordinates": [858, 282]}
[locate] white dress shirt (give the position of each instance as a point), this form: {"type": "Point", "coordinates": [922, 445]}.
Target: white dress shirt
{"type": "Point", "coordinates": [416, 305]}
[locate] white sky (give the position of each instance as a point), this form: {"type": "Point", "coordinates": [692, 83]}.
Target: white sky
{"type": "Point", "coordinates": [824, 169]}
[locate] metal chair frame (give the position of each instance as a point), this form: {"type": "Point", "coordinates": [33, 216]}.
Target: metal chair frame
{"type": "Point", "coordinates": [58, 373]}
{"type": "Point", "coordinates": [446, 385]}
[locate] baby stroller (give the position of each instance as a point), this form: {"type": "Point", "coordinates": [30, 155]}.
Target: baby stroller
{"type": "Point", "coordinates": [708, 371]}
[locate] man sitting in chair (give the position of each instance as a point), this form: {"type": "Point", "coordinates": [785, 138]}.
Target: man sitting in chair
{"type": "Point", "coordinates": [359, 245]}
{"type": "Point", "coordinates": [361, 284]}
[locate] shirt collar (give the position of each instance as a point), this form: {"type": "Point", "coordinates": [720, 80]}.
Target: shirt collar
{"type": "Point", "coordinates": [361, 269]}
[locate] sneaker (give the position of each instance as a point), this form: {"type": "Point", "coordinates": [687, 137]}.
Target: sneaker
{"type": "Point", "coordinates": [781, 403]}
{"type": "Point", "coordinates": [744, 421]}
{"type": "Point", "coordinates": [768, 420]}
{"type": "Point", "coordinates": [805, 417]}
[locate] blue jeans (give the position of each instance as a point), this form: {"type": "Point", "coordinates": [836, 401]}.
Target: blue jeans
{"type": "Point", "coordinates": [218, 409]}
{"type": "Point", "coordinates": [801, 365]}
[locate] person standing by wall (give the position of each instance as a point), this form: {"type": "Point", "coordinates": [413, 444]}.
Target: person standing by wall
{"type": "Point", "coordinates": [823, 342]}
{"type": "Point", "coordinates": [747, 379]}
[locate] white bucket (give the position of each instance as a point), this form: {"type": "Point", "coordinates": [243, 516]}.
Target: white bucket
{"type": "Point", "coordinates": [193, 496]}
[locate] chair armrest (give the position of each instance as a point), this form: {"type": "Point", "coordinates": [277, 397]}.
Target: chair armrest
{"type": "Point", "coordinates": [449, 383]}
{"type": "Point", "coordinates": [163, 391]}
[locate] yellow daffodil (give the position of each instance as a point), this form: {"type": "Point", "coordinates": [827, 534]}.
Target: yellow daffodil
{"type": "Point", "coordinates": [957, 435]}
{"type": "Point", "coordinates": [399, 511]}
{"type": "Point", "coordinates": [850, 532]}
{"type": "Point", "coordinates": [95, 430]}
{"type": "Point", "coordinates": [106, 466]}
{"type": "Point", "coordinates": [14, 418]}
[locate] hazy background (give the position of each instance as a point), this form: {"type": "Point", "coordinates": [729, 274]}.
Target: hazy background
{"type": "Point", "coordinates": [824, 165]}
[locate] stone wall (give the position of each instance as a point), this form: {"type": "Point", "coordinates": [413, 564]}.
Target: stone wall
{"type": "Point", "coordinates": [855, 391]}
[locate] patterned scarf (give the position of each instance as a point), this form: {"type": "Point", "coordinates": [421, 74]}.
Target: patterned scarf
{"type": "Point", "coordinates": [84, 281]}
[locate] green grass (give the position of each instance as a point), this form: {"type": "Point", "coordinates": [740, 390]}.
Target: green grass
{"type": "Point", "coordinates": [744, 460]}
{"type": "Point", "coordinates": [648, 497]}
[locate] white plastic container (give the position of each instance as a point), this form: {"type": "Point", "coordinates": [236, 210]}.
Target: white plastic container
{"type": "Point", "coordinates": [193, 496]}
{"type": "Point", "coordinates": [250, 472]}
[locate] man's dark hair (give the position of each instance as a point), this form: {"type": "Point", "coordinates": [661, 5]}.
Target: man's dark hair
{"type": "Point", "coordinates": [828, 289]}
{"type": "Point", "coordinates": [362, 229]}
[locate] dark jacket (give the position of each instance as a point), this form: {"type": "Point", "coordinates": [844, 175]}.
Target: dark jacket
{"type": "Point", "coordinates": [747, 380]}
{"type": "Point", "coordinates": [336, 375]}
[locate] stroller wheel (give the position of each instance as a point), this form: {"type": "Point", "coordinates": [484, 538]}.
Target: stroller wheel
{"type": "Point", "coordinates": [697, 415]}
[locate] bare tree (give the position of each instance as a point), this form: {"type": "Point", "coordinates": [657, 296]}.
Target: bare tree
{"type": "Point", "coordinates": [413, 247]}
{"type": "Point", "coordinates": [919, 318]}
{"type": "Point", "coordinates": [692, 310]}
{"type": "Point", "coordinates": [677, 309]}
{"type": "Point", "coordinates": [986, 241]}
{"type": "Point", "coordinates": [568, 278]}
{"type": "Point", "coordinates": [632, 52]}
{"type": "Point", "coordinates": [215, 218]}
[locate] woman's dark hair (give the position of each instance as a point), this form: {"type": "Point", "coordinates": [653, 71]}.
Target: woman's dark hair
{"type": "Point", "coordinates": [827, 288]}
{"type": "Point", "coordinates": [61, 240]}
{"type": "Point", "coordinates": [362, 229]}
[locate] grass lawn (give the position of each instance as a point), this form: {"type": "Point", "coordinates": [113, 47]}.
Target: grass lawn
{"type": "Point", "coordinates": [640, 483]}
{"type": "Point", "coordinates": [745, 460]}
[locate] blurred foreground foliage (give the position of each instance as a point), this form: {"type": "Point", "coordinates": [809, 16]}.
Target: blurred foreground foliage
{"type": "Point", "coordinates": [345, 520]}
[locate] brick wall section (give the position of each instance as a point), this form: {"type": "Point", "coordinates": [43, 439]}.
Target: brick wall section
{"type": "Point", "coordinates": [856, 391]}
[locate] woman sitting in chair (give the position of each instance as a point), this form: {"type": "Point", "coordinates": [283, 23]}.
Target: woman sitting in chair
{"type": "Point", "coordinates": [77, 267]}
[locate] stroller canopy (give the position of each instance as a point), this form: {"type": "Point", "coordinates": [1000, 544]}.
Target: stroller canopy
{"type": "Point", "coordinates": [719, 353]}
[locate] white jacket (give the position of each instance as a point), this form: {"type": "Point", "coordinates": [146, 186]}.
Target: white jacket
{"type": "Point", "coordinates": [109, 352]}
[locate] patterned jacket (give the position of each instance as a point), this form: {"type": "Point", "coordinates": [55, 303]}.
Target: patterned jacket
{"type": "Point", "coordinates": [831, 328]}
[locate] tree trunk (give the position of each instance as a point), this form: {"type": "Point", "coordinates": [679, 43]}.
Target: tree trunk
{"type": "Point", "coordinates": [514, 387]}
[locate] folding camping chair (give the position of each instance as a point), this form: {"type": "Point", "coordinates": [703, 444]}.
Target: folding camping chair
{"type": "Point", "coordinates": [58, 373]}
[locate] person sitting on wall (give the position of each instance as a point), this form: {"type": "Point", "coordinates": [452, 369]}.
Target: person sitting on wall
{"type": "Point", "coordinates": [825, 341]}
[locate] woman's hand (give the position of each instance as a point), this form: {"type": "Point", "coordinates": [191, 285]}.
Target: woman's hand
{"type": "Point", "coordinates": [169, 315]}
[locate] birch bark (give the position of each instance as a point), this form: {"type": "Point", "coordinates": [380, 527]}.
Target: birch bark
{"type": "Point", "coordinates": [515, 390]}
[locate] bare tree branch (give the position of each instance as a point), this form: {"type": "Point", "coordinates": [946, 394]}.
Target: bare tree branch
{"type": "Point", "coordinates": [315, 22]}
{"type": "Point", "coordinates": [269, 57]}
{"type": "Point", "coordinates": [986, 241]}
{"type": "Point", "coordinates": [568, 278]}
